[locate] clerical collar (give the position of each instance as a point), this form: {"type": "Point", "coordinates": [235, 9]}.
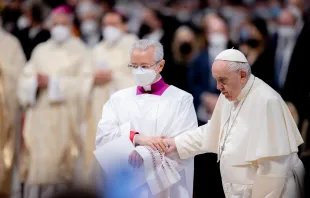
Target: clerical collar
{"type": "Point", "coordinates": [245, 89]}
{"type": "Point", "coordinates": [157, 88]}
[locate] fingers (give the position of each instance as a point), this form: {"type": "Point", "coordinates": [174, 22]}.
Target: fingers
{"type": "Point", "coordinates": [135, 160]}
{"type": "Point", "coordinates": [131, 159]}
{"type": "Point", "coordinates": [170, 150]}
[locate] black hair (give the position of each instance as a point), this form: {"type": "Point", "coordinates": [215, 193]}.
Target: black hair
{"type": "Point", "coordinates": [36, 11]}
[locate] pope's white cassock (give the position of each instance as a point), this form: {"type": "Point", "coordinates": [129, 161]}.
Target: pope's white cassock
{"type": "Point", "coordinates": [168, 111]}
{"type": "Point", "coordinates": [54, 115]}
{"type": "Point", "coordinates": [259, 157]}
{"type": "Point", "coordinates": [105, 56]}
{"type": "Point", "coordinates": [12, 61]}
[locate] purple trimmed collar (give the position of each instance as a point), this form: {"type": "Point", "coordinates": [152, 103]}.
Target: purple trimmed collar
{"type": "Point", "coordinates": [157, 88]}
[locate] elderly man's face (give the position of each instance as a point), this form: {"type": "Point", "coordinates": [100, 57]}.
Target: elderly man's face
{"type": "Point", "coordinates": [115, 20]}
{"type": "Point", "coordinates": [286, 18]}
{"type": "Point", "coordinates": [61, 19]}
{"type": "Point", "coordinates": [146, 58]}
{"type": "Point", "coordinates": [230, 83]}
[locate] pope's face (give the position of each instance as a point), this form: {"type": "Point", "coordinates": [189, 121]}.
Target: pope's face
{"type": "Point", "coordinates": [230, 83]}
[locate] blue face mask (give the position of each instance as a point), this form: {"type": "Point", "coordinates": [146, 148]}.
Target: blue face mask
{"type": "Point", "coordinates": [244, 34]}
{"type": "Point", "coordinates": [275, 11]}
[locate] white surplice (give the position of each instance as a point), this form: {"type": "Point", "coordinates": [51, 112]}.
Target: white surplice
{"type": "Point", "coordinates": [169, 115]}
{"type": "Point", "coordinates": [259, 157]}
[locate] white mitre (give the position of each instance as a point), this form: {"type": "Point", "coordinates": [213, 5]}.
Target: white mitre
{"type": "Point", "coordinates": [231, 55]}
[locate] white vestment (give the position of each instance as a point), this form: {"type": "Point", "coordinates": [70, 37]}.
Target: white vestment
{"type": "Point", "coordinates": [259, 156]}
{"type": "Point", "coordinates": [167, 115]}
{"type": "Point", "coordinates": [54, 115]}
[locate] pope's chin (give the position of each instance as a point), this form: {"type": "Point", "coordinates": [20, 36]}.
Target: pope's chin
{"type": "Point", "coordinates": [227, 96]}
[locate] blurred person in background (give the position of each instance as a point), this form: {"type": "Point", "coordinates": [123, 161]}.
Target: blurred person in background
{"type": "Point", "coordinates": [10, 15]}
{"type": "Point", "coordinates": [159, 27]}
{"type": "Point", "coordinates": [34, 33]}
{"type": "Point", "coordinates": [201, 82]}
{"type": "Point", "coordinates": [76, 193]}
{"type": "Point", "coordinates": [290, 47]}
{"type": "Point", "coordinates": [275, 8]}
{"type": "Point", "coordinates": [11, 64]}
{"type": "Point", "coordinates": [203, 87]}
{"type": "Point", "coordinates": [88, 15]}
{"type": "Point", "coordinates": [254, 44]}
{"type": "Point", "coordinates": [109, 60]}
{"type": "Point", "coordinates": [53, 90]}
{"type": "Point", "coordinates": [236, 13]}
{"type": "Point", "coordinates": [184, 48]}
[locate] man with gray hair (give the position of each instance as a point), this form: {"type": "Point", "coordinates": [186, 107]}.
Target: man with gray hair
{"type": "Point", "coordinates": [153, 109]}
{"type": "Point", "coordinates": [251, 131]}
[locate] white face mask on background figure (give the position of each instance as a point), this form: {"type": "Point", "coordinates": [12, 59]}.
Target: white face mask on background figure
{"type": "Point", "coordinates": [287, 31]}
{"type": "Point", "coordinates": [111, 34]}
{"type": "Point", "coordinates": [60, 33]}
{"type": "Point", "coordinates": [217, 40]}
{"type": "Point", "coordinates": [89, 27]}
{"type": "Point", "coordinates": [144, 77]}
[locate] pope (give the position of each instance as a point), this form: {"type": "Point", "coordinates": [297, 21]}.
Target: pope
{"type": "Point", "coordinates": [251, 130]}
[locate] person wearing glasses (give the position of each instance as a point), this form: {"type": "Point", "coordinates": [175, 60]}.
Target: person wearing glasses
{"type": "Point", "coordinates": [153, 108]}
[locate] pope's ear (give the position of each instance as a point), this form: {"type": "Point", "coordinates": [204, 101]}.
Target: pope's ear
{"type": "Point", "coordinates": [243, 74]}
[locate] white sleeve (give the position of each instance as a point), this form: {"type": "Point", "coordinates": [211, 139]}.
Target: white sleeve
{"type": "Point", "coordinates": [108, 126]}
{"type": "Point", "coordinates": [271, 177]}
{"type": "Point", "coordinates": [54, 92]}
{"type": "Point", "coordinates": [27, 86]}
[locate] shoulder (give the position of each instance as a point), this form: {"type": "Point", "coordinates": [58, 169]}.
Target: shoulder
{"type": "Point", "coordinates": [11, 38]}
{"type": "Point", "coordinates": [42, 47]}
{"type": "Point", "coordinates": [78, 44]}
{"type": "Point", "coordinates": [130, 38]}
{"type": "Point", "coordinates": [180, 94]}
{"type": "Point", "coordinates": [264, 93]}
{"type": "Point", "coordinates": [123, 94]}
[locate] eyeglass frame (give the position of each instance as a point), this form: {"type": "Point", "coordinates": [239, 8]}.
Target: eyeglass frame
{"type": "Point", "coordinates": [131, 66]}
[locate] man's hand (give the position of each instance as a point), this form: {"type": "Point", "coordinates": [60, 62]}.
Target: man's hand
{"type": "Point", "coordinates": [155, 142]}
{"type": "Point", "coordinates": [171, 145]}
{"type": "Point", "coordinates": [102, 77]}
{"type": "Point", "coordinates": [135, 160]}
{"type": "Point", "coordinates": [42, 80]}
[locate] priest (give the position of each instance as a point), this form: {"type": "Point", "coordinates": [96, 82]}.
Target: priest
{"type": "Point", "coordinates": [11, 63]}
{"type": "Point", "coordinates": [153, 108]}
{"type": "Point", "coordinates": [253, 133]}
{"type": "Point", "coordinates": [53, 89]}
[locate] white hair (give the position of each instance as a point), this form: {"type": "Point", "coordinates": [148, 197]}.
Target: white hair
{"type": "Point", "coordinates": [236, 66]}
{"type": "Point", "coordinates": [145, 44]}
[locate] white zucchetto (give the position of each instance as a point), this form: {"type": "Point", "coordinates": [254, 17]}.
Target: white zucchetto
{"type": "Point", "coordinates": [231, 55]}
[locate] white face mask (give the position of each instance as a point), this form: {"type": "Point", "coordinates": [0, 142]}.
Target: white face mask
{"type": "Point", "coordinates": [111, 34]}
{"type": "Point", "coordinates": [89, 27]}
{"type": "Point", "coordinates": [23, 22]}
{"type": "Point", "coordinates": [217, 40]}
{"type": "Point", "coordinates": [144, 77]}
{"type": "Point", "coordinates": [60, 33]}
{"type": "Point", "coordinates": [287, 31]}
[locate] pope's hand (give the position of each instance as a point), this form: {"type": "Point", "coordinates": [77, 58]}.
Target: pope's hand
{"type": "Point", "coordinates": [155, 142]}
{"type": "Point", "coordinates": [171, 145]}
{"type": "Point", "coordinates": [102, 76]}
{"type": "Point", "coordinates": [135, 160]}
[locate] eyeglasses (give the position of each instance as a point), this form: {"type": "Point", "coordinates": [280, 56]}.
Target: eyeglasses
{"type": "Point", "coordinates": [133, 66]}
